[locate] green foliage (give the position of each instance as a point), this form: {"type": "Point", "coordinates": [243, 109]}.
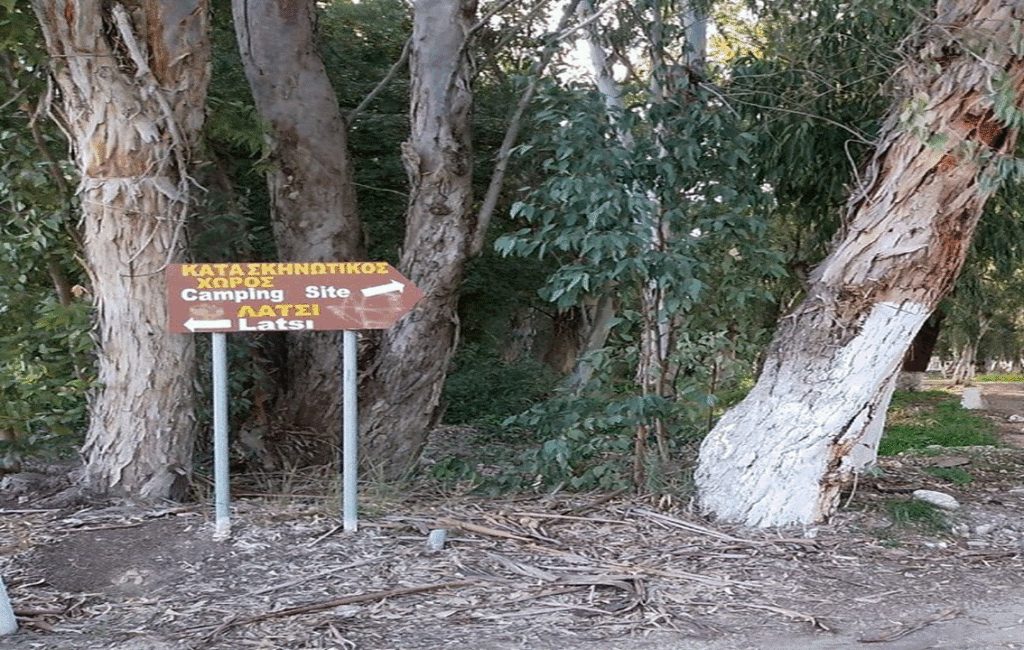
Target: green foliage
{"type": "Point", "coordinates": [813, 79]}
{"type": "Point", "coordinates": [45, 375]}
{"type": "Point", "coordinates": [683, 170]}
{"type": "Point", "coordinates": [45, 347]}
{"type": "Point", "coordinates": [614, 182]}
{"type": "Point", "coordinates": [585, 442]}
{"type": "Point", "coordinates": [917, 420]}
{"type": "Point", "coordinates": [483, 390]}
{"type": "Point", "coordinates": [954, 475]}
{"type": "Point", "coordinates": [919, 514]}
{"type": "Point", "coordinates": [359, 43]}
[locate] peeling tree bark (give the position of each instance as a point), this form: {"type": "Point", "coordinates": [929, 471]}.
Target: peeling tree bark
{"type": "Point", "coordinates": [782, 455]}
{"type": "Point", "coordinates": [313, 201]}
{"type": "Point", "coordinates": [133, 79]}
{"type": "Point", "coordinates": [401, 395]}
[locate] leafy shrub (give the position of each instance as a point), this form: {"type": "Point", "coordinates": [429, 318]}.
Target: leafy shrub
{"type": "Point", "coordinates": [585, 442]}
{"type": "Point", "coordinates": [482, 390]}
{"type": "Point", "coordinates": [45, 375]}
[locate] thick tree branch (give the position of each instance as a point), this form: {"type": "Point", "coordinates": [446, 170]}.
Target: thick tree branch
{"type": "Point", "coordinates": [402, 59]}
{"type": "Point", "coordinates": [490, 202]}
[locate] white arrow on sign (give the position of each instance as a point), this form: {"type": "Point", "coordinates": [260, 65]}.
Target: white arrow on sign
{"type": "Point", "coordinates": [394, 285]}
{"type": "Point", "coordinates": [193, 324]}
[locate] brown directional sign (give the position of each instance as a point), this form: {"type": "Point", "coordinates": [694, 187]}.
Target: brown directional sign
{"type": "Point", "coordinates": [262, 297]}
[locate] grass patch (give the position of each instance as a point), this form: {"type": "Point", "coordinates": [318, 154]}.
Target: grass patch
{"type": "Point", "coordinates": [999, 377]}
{"type": "Point", "coordinates": [918, 514]}
{"type": "Point", "coordinates": [954, 475]}
{"type": "Point", "coordinates": [934, 417]}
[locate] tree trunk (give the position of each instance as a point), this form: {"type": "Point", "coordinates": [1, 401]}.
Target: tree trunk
{"type": "Point", "coordinates": [782, 455]}
{"type": "Point", "coordinates": [133, 81]}
{"type": "Point", "coordinates": [402, 393]}
{"type": "Point", "coordinates": [963, 370]}
{"type": "Point", "coordinates": [967, 356]}
{"type": "Point", "coordinates": [919, 355]}
{"type": "Point", "coordinates": [313, 201]}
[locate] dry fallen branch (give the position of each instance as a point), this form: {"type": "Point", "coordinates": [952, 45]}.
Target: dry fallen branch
{"type": "Point", "coordinates": [482, 530]}
{"type": "Point", "coordinates": [690, 526]}
{"type": "Point", "coordinates": [589, 520]}
{"type": "Point", "coordinates": [323, 605]}
{"type": "Point", "coordinates": [904, 630]}
{"type": "Point", "coordinates": [790, 613]}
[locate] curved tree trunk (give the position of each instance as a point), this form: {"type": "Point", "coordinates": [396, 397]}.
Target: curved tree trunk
{"type": "Point", "coordinates": [919, 355]}
{"type": "Point", "coordinates": [313, 201]}
{"type": "Point", "coordinates": [133, 80]}
{"type": "Point", "coordinates": [782, 455]}
{"type": "Point", "coordinates": [402, 393]}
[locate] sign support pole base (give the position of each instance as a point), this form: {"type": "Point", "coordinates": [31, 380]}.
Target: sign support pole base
{"type": "Point", "coordinates": [349, 432]}
{"type": "Point", "coordinates": [221, 480]}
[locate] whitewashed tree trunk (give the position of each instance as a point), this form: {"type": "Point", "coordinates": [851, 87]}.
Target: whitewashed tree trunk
{"type": "Point", "coordinates": [133, 81]}
{"type": "Point", "coordinates": [401, 397]}
{"type": "Point", "coordinates": [313, 201]}
{"type": "Point", "coordinates": [783, 454]}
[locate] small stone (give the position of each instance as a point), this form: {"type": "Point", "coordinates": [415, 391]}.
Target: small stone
{"type": "Point", "coordinates": [939, 499]}
{"type": "Point", "coordinates": [984, 529]}
{"type": "Point", "coordinates": [1016, 418]}
{"type": "Point", "coordinates": [972, 398]}
{"type": "Point", "coordinates": [961, 530]}
{"type": "Point", "coordinates": [435, 541]}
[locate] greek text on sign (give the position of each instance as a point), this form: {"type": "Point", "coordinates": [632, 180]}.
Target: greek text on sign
{"type": "Point", "coordinates": [261, 297]}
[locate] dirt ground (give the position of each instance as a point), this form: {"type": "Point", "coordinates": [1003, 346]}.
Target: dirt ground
{"type": "Point", "coordinates": [544, 572]}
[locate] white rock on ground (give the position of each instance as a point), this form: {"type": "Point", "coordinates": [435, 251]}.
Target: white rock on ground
{"type": "Point", "coordinates": [972, 398]}
{"type": "Point", "coordinates": [8, 624]}
{"type": "Point", "coordinates": [940, 499]}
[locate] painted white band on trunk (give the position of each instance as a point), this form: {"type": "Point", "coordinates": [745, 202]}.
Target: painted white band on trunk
{"type": "Point", "coordinates": [765, 461]}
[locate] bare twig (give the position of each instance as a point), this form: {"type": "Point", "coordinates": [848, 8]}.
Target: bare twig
{"type": "Point", "coordinates": [354, 113]}
{"type": "Point", "coordinates": [335, 602]}
{"type": "Point", "coordinates": [692, 527]}
{"type": "Point", "coordinates": [482, 530]}
{"type": "Point", "coordinates": [790, 613]}
{"type": "Point", "coordinates": [490, 202]}
{"type": "Point", "coordinates": [903, 631]}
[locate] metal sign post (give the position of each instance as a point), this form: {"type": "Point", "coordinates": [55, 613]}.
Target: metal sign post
{"type": "Point", "coordinates": [288, 297]}
{"type": "Point", "coordinates": [349, 433]}
{"type": "Point", "coordinates": [221, 483]}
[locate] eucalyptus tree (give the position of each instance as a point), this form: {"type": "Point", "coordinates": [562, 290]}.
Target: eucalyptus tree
{"type": "Point", "coordinates": [402, 389]}
{"type": "Point", "coordinates": [406, 366]}
{"type": "Point", "coordinates": [309, 177]}
{"type": "Point", "coordinates": [132, 80]}
{"type": "Point", "coordinates": [649, 208]}
{"type": "Point", "coordinates": [785, 452]}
